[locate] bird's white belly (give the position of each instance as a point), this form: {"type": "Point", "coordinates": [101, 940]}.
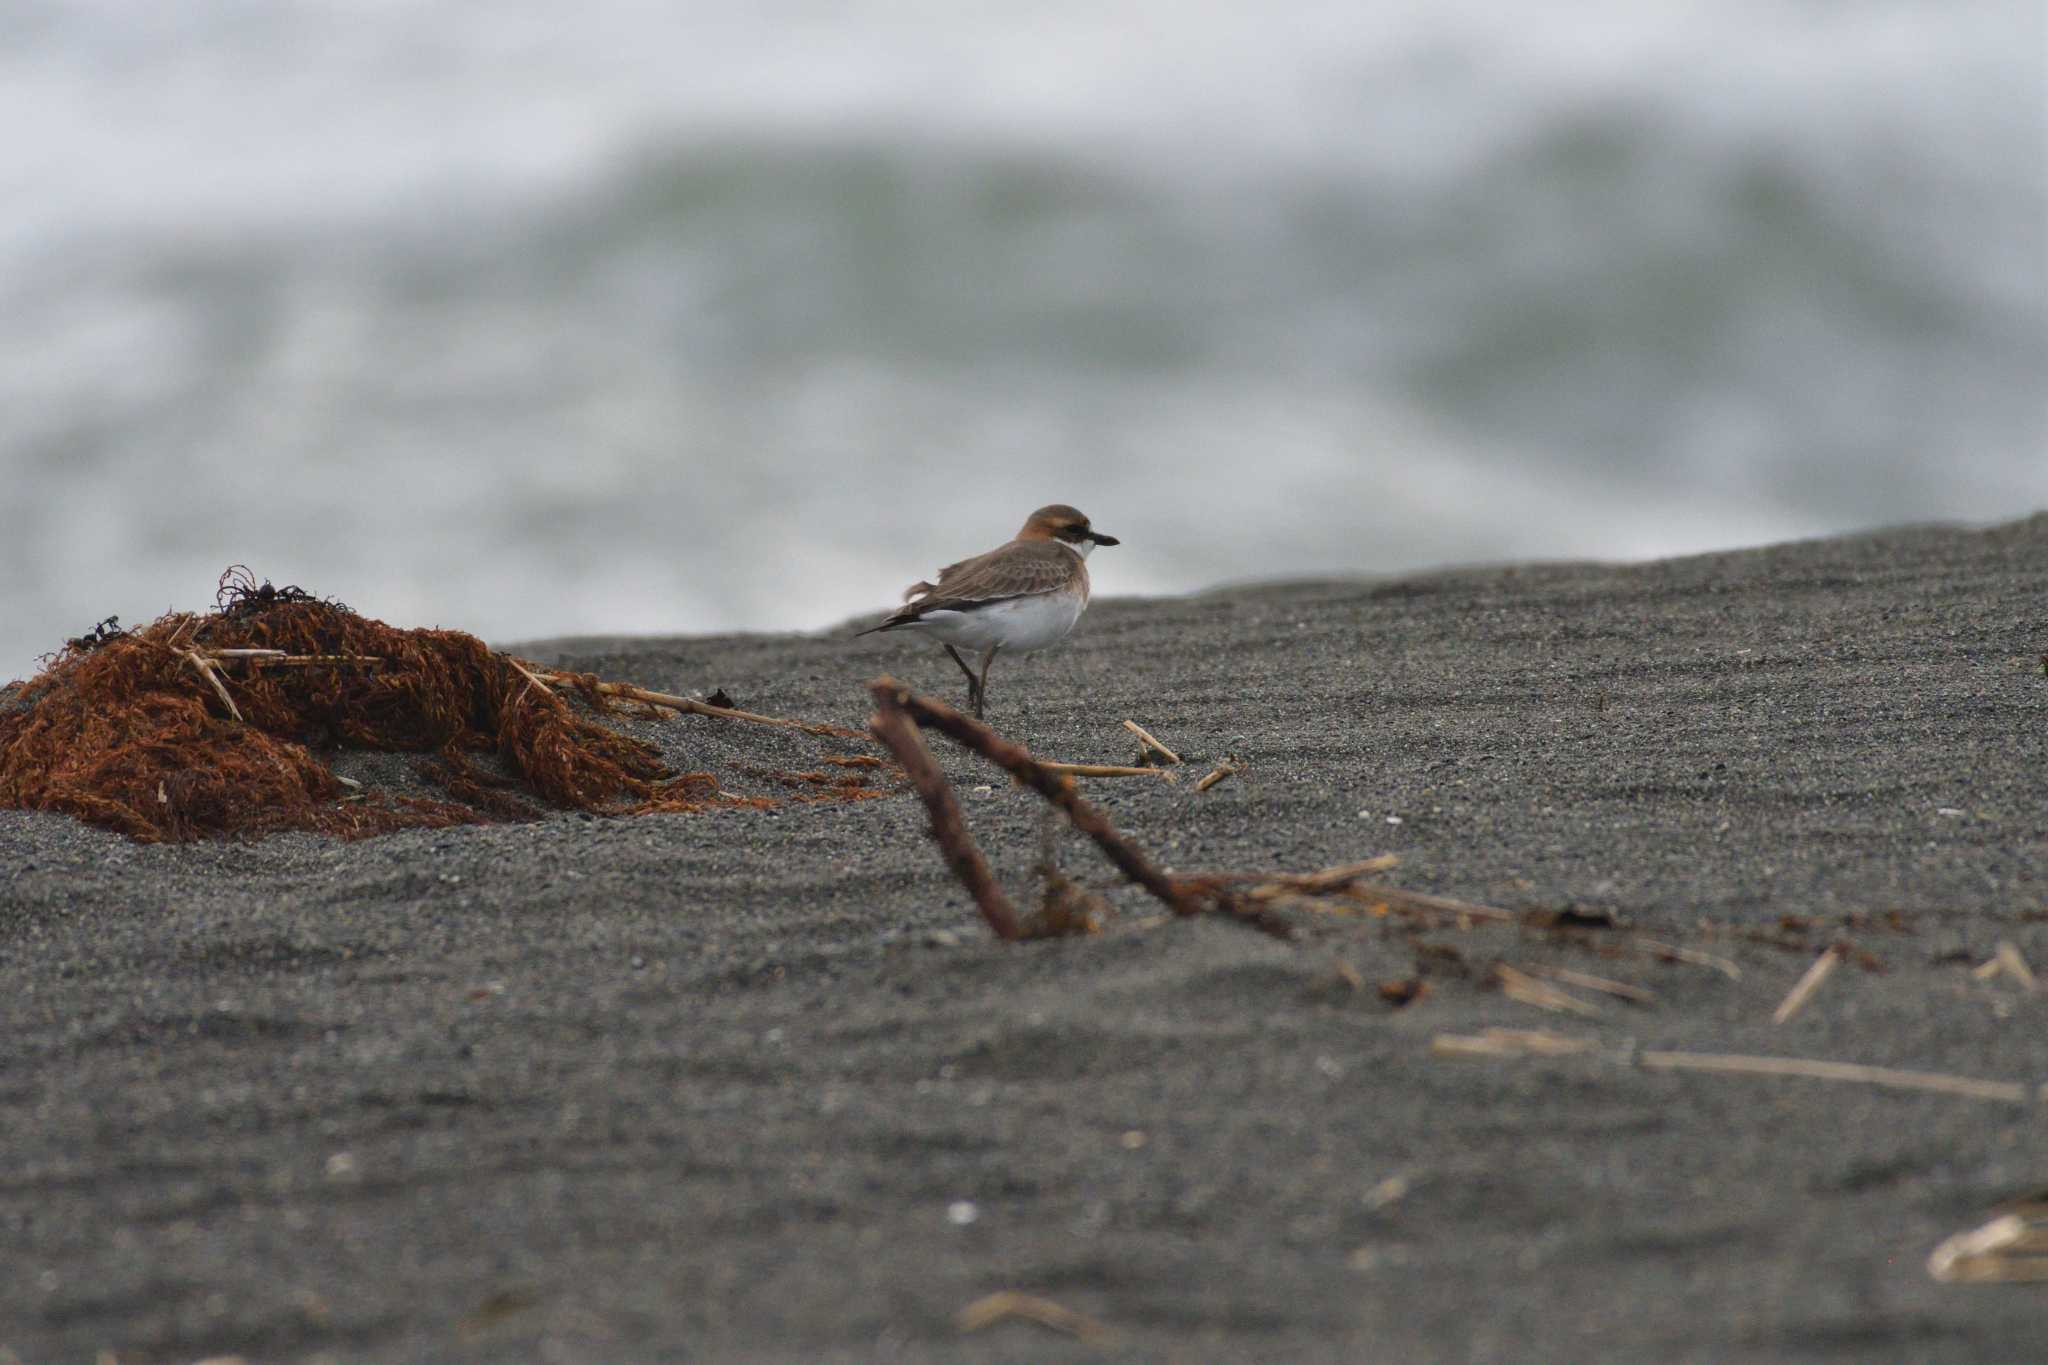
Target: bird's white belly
{"type": "Point", "coordinates": [1021, 623]}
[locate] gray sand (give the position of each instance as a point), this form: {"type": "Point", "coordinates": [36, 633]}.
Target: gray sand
{"type": "Point", "coordinates": [757, 1086]}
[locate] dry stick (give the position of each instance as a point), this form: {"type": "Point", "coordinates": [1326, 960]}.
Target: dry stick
{"type": "Point", "coordinates": [2008, 962]}
{"type": "Point", "coordinates": [1102, 770]}
{"type": "Point", "coordinates": [1506, 1042]}
{"type": "Point", "coordinates": [1620, 989]}
{"type": "Point", "coordinates": [1529, 991]}
{"type": "Point", "coordinates": [1146, 738]}
{"type": "Point", "coordinates": [1732, 1064]}
{"type": "Point", "coordinates": [1013, 759]}
{"type": "Point", "coordinates": [1697, 958]}
{"type": "Point", "coordinates": [689, 704]}
{"type": "Point", "coordinates": [2015, 966]}
{"type": "Point", "coordinates": [533, 680]}
{"type": "Point", "coordinates": [1008, 1303]}
{"type": "Point", "coordinates": [277, 657]}
{"type": "Point", "coordinates": [1328, 891]}
{"type": "Point", "coordinates": [1397, 899]}
{"type": "Point", "coordinates": [2008, 1249]}
{"type": "Point", "coordinates": [204, 667]}
{"type": "Point", "coordinates": [1323, 881]}
{"type": "Point", "coordinates": [1217, 774]}
{"type": "Point", "coordinates": [532, 677]}
{"type": "Point", "coordinates": [309, 660]}
{"type": "Point", "coordinates": [1795, 999]}
{"type": "Point", "coordinates": [1333, 878]}
{"type": "Point", "coordinates": [892, 726]}
{"type": "Point", "coordinates": [1374, 894]}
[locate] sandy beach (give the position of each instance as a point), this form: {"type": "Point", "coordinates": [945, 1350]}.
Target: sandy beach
{"type": "Point", "coordinates": [759, 1086]}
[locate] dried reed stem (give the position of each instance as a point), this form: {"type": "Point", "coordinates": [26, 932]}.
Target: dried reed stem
{"type": "Point", "coordinates": [204, 667]}
{"type": "Point", "coordinates": [1528, 990]}
{"type": "Point", "coordinates": [1671, 952]}
{"type": "Point", "coordinates": [2007, 1250]}
{"type": "Point", "coordinates": [994, 1308]}
{"type": "Point", "coordinates": [1804, 989]}
{"type": "Point", "coordinates": [2016, 966]}
{"type": "Point", "coordinates": [1102, 770]}
{"type": "Point", "coordinates": [1731, 1064]}
{"type": "Point", "coordinates": [1216, 774]}
{"type": "Point", "coordinates": [1323, 882]}
{"type": "Point", "coordinates": [277, 658]}
{"type": "Point", "coordinates": [1621, 990]}
{"type": "Point", "coordinates": [1509, 1042]}
{"type": "Point", "coordinates": [1395, 898]}
{"type": "Point", "coordinates": [891, 725]}
{"type": "Point", "coordinates": [669, 701]}
{"type": "Point", "coordinates": [1146, 738]}
{"type": "Point", "coordinates": [1333, 878]}
{"type": "Point", "coordinates": [2008, 962]}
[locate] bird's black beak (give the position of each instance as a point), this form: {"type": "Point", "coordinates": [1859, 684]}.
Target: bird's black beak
{"type": "Point", "coordinates": [1101, 539]}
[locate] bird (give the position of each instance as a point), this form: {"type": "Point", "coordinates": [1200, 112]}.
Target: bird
{"type": "Point", "coordinates": [1020, 596]}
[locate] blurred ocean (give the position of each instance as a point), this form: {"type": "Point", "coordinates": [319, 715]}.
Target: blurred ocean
{"type": "Point", "coordinates": [627, 317]}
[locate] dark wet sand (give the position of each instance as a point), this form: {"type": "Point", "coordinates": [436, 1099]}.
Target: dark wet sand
{"type": "Point", "coordinates": [724, 1087]}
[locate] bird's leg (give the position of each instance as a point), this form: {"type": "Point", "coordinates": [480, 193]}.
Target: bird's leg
{"type": "Point", "coordinates": [973, 683]}
{"type": "Point", "coordinates": [981, 687]}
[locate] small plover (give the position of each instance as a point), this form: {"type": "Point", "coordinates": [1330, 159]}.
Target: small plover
{"type": "Point", "coordinates": [1021, 596]}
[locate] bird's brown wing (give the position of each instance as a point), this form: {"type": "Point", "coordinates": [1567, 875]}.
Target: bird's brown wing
{"type": "Point", "coordinates": [1018, 569]}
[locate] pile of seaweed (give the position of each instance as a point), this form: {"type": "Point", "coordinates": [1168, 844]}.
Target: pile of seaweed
{"type": "Point", "coordinates": [167, 732]}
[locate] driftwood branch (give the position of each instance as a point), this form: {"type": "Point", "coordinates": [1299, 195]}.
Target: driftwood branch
{"type": "Point", "coordinates": [1013, 759]}
{"type": "Point", "coordinates": [1249, 898]}
{"type": "Point", "coordinates": [892, 726]}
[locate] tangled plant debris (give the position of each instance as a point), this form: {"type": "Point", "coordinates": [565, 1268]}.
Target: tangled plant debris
{"type": "Point", "coordinates": [210, 724]}
{"type": "Point", "coordinates": [109, 629]}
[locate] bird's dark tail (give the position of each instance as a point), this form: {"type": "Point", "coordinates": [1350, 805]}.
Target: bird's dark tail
{"type": "Point", "coordinates": [904, 616]}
